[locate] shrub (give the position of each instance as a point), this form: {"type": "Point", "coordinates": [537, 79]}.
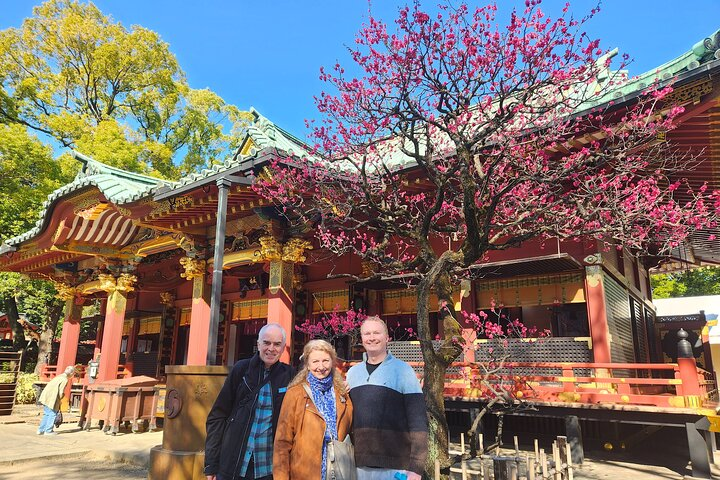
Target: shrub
{"type": "Point", "coordinates": [25, 393]}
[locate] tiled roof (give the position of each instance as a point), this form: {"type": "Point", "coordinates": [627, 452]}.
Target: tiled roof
{"type": "Point", "coordinates": [264, 134]}
{"type": "Point", "coordinates": [702, 53]}
{"type": "Point", "coordinates": [118, 186]}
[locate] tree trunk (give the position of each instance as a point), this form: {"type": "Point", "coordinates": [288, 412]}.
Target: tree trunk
{"type": "Point", "coordinates": [436, 363]}
{"type": "Point", "coordinates": [47, 336]}
{"type": "Point", "coordinates": [19, 342]}
{"type": "Point", "coordinates": [433, 390]}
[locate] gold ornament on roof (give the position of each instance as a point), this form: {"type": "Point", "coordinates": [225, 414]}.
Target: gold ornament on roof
{"type": "Point", "coordinates": [126, 282]}
{"type": "Point", "coordinates": [194, 268]}
{"type": "Point", "coordinates": [64, 291]}
{"type": "Point", "coordinates": [167, 298]}
{"type": "Point", "coordinates": [368, 269]}
{"type": "Point", "coordinates": [270, 249]}
{"type": "Point", "coordinates": [294, 250]}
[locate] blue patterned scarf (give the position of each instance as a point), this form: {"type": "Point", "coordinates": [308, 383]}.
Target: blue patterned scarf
{"type": "Point", "coordinates": [324, 397]}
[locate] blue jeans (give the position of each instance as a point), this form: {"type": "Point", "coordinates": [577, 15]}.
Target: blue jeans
{"type": "Point", "coordinates": [369, 473]}
{"type": "Point", "coordinates": [48, 420]}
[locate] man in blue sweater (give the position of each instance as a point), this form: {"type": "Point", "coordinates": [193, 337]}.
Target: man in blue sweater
{"type": "Point", "coordinates": [389, 419]}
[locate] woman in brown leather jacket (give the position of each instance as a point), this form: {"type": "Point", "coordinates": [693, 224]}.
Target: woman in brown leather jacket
{"type": "Point", "coordinates": [317, 394]}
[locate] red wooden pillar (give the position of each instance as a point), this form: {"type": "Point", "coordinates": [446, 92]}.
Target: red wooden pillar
{"type": "Point", "coordinates": [280, 304]}
{"type": "Point", "coordinates": [114, 319]}
{"type": "Point", "coordinates": [200, 314]}
{"type": "Point", "coordinates": [280, 312]}
{"type": "Point", "coordinates": [597, 313]}
{"type": "Point", "coordinates": [70, 337]}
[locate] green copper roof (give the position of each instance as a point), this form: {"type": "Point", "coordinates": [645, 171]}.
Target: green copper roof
{"type": "Point", "coordinates": [118, 186]}
{"type": "Point", "coordinates": [263, 134]}
{"type": "Point", "coordinates": [702, 53]}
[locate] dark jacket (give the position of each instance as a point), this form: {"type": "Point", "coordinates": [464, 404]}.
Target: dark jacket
{"type": "Point", "coordinates": [230, 419]}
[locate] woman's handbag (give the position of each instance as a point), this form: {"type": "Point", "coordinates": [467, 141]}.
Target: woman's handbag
{"type": "Point", "coordinates": [341, 460]}
{"type": "Point", "coordinates": [58, 419]}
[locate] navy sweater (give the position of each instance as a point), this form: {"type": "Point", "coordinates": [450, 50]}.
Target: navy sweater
{"type": "Point", "coordinates": [389, 419]}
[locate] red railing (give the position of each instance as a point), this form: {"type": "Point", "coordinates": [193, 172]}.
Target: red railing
{"type": "Point", "coordinates": [661, 385]}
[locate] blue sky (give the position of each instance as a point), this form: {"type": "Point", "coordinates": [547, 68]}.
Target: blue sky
{"type": "Point", "coordinates": [268, 54]}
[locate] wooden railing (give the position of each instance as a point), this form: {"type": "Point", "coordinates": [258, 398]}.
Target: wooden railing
{"type": "Point", "coordinates": [48, 372]}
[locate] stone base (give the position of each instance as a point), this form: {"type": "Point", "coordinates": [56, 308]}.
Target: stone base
{"type": "Point", "coordinates": [165, 464]}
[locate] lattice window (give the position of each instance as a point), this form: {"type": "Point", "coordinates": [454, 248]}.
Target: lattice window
{"type": "Point", "coordinates": [149, 326]}
{"type": "Point", "coordinates": [410, 352]}
{"type": "Point", "coordinates": [639, 332]}
{"type": "Point", "coordinates": [617, 302]}
{"type": "Point", "coordinates": [404, 302]}
{"type": "Point", "coordinates": [326, 302]}
{"type": "Point", "coordinates": [185, 315]}
{"type": "Point", "coordinates": [250, 309]}
{"type": "Point", "coordinates": [529, 291]}
{"type": "Point", "coordinates": [127, 326]}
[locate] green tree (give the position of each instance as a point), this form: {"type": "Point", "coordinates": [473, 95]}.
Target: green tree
{"type": "Point", "coordinates": [688, 283]}
{"type": "Point", "coordinates": [115, 94]}
{"type": "Point", "coordinates": [28, 173]}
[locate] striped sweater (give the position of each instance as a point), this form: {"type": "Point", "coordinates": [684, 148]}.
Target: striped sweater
{"type": "Point", "coordinates": [389, 419]}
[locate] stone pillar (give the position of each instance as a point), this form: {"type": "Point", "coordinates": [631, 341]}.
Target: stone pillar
{"type": "Point", "coordinates": [597, 313]}
{"type": "Point", "coordinates": [117, 289]}
{"type": "Point", "coordinates": [195, 270]}
{"type": "Point", "coordinates": [70, 337]}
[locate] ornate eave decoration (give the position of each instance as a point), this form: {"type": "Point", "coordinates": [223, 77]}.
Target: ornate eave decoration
{"type": "Point", "coordinates": [194, 268]}
{"type": "Point", "coordinates": [124, 283]}
{"type": "Point", "coordinates": [167, 298]}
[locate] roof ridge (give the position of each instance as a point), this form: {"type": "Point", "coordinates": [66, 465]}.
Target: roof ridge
{"type": "Point", "coordinates": [96, 167]}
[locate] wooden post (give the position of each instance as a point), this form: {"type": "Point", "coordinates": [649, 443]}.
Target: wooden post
{"type": "Point", "coordinates": [597, 313]}
{"type": "Point", "coordinates": [568, 454]}
{"type": "Point", "coordinates": [562, 444]}
{"type": "Point", "coordinates": [118, 289]}
{"type": "Point", "coordinates": [462, 443]}
{"type": "Point", "coordinates": [70, 337]}
{"type": "Point", "coordinates": [517, 445]}
{"type": "Point", "coordinates": [437, 469]}
{"type": "Point", "coordinates": [530, 467]}
{"type": "Point", "coordinates": [199, 334]}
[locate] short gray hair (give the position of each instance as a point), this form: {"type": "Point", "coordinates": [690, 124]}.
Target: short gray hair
{"type": "Point", "coordinates": [267, 326]}
{"type": "Point", "coordinates": [70, 370]}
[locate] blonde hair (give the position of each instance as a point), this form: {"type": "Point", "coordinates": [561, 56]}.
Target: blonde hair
{"type": "Point", "coordinates": [320, 346]}
{"type": "Point", "coordinates": [376, 318]}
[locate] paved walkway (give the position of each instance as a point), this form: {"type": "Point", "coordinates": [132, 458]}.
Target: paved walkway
{"type": "Point", "coordinates": [128, 454]}
{"type": "Point", "coordinates": [20, 443]}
